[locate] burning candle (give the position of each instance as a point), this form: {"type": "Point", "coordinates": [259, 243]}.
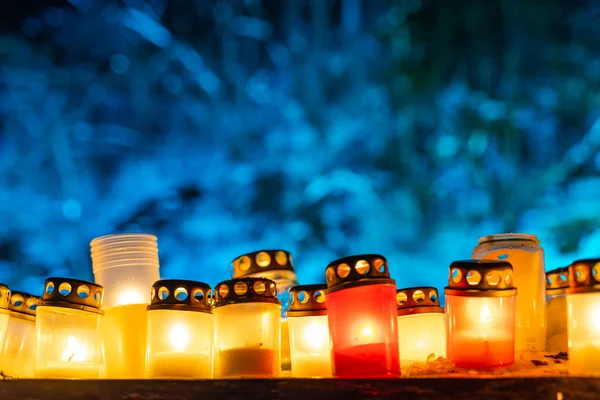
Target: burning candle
{"type": "Point", "coordinates": [69, 344]}
{"type": "Point", "coordinates": [278, 266]}
{"type": "Point", "coordinates": [17, 355]}
{"type": "Point", "coordinates": [480, 314]}
{"type": "Point", "coordinates": [126, 265]}
{"type": "Point", "coordinates": [363, 323]}
{"type": "Point", "coordinates": [247, 317]}
{"type": "Point", "coordinates": [309, 332]}
{"type": "Point", "coordinates": [180, 330]}
{"type": "Point", "coordinates": [526, 256]}
{"type": "Point", "coordinates": [583, 303]}
{"type": "Point", "coordinates": [557, 283]}
{"type": "Point", "coordinates": [421, 327]}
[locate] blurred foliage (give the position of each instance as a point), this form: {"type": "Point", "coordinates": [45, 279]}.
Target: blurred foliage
{"type": "Point", "coordinates": [323, 127]}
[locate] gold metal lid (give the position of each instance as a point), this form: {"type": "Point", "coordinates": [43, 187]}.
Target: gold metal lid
{"type": "Point", "coordinates": [4, 296]}
{"type": "Point", "coordinates": [362, 269]}
{"type": "Point", "coordinates": [557, 280]}
{"type": "Point", "coordinates": [73, 293]}
{"type": "Point", "coordinates": [584, 276]}
{"type": "Point", "coordinates": [480, 278]}
{"type": "Point", "coordinates": [246, 290]}
{"type": "Point", "coordinates": [183, 295]}
{"type": "Point", "coordinates": [306, 300]}
{"type": "Point", "coordinates": [418, 300]}
{"type": "Point", "coordinates": [24, 303]}
{"type": "Point", "coordinates": [261, 261]}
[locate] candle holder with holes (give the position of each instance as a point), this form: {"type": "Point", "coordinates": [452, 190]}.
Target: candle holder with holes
{"type": "Point", "coordinates": [278, 266]}
{"type": "Point", "coordinates": [17, 355]}
{"type": "Point", "coordinates": [309, 332]}
{"type": "Point", "coordinates": [4, 312]}
{"type": "Point", "coordinates": [69, 344]}
{"type": "Point", "coordinates": [180, 331]}
{"type": "Point", "coordinates": [421, 327]}
{"type": "Point", "coordinates": [126, 265]}
{"type": "Point", "coordinates": [526, 256]}
{"type": "Point", "coordinates": [557, 283]}
{"type": "Point", "coordinates": [583, 304]}
{"type": "Point", "coordinates": [480, 314]}
{"type": "Point", "coordinates": [363, 323]}
{"type": "Point", "coordinates": [247, 317]}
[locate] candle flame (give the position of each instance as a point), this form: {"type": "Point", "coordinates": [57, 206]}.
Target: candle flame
{"type": "Point", "coordinates": [367, 331]}
{"type": "Point", "coordinates": [485, 315]}
{"type": "Point", "coordinates": [129, 297]}
{"type": "Point", "coordinates": [179, 337]}
{"type": "Point", "coordinates": [74, 351]}
{"type": "Point", "coordinates": [316, 336]}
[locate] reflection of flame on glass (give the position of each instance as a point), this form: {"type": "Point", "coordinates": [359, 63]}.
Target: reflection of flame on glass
{"type": "Point", "coordinates": [129, 297]}
{"type": "Point", "coordinates": [74, 351]}
{"type": "Point", "coordinates": [179, 337]}
{"type": "Point", "coordinates": [316, 336]}
{"type": "Point", "coordinates": [485, 315]}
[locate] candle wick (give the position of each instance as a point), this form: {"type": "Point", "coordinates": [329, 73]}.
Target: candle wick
{"type": "Point", "coordinates": [72, 355]}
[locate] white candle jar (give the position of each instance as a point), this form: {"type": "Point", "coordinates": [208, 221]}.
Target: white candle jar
{"type": "Point", "coordinates": [557, 282]}
{"type": "Point", "coordinates": [526, 256]}
{"type": "Point", "coordinates": [583, 304]}
{"type": "Point", "coordinates": [309, 332]}
{"type": "Point", "coordinates": [421, 327]}
{"type": "Point", "coordinates": [126, 265]}
{"type": "Point", "coordinates": [247, 317]}
{"type": "Point", "coordinates": [17, 354]}
{"type": "Point", "coordinates": [69, 345]}
{"type": "Point", "coordinates": [278, 266]}
{"type": "Point", "coordinates": [180, 331]}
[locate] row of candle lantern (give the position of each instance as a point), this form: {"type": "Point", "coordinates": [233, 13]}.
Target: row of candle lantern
{"type": "Point", "coordinates": [362, 329]}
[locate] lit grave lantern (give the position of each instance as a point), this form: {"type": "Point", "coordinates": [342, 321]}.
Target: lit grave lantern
{"type": "Point", "coordinates": [557, 282]}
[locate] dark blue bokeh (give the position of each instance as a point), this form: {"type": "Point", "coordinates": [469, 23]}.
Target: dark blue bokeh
{"type": "Point", "coordinates": [328, 128]}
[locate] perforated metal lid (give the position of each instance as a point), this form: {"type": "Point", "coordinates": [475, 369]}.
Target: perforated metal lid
{"type": "Point", "coordinates": [307, 300]}
{"type": "Point", "coordinates": [362, 269]}
{"type": "Point", "coordinates": [584, 276]}
{"type": "Point", "coordinates": [557, 280]}
{"type": "Point", "coordinates": [4, 296]}
{"type": "Point", "coordinates": [261, 261]}
{"type": "Point", "coordinates": [418, 300]}
{"type": "Point", "coordinates": [246, 290]}
{"type": "Point", "coordinates": [24, 303]}
{"type": "Point", "coordinates": [480, 278]}
{"type": "Point", "coordinates": [184, 295]}
{"type": "Point", "coordinates": [73, 293]}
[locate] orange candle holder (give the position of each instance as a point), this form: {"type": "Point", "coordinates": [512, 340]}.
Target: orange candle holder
{"type": "Point", "coordinates": [363, 323]}
{"type": "Point", "coordinates": [583, 305]}
{"type": "Point", "coordinates": [309, 332]}
{"type": "Point", "coordinates": [421, 326]}
{"type": "Point", "coordinates": [557, 283]}
{"type": "Point", "coordinates": [278, 266]}
{"type": "Point", "coordinates": [480, 314]}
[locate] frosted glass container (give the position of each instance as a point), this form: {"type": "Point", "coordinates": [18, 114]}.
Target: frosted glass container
{"type": "Point", "coordinates": [17, 354]}
{"type": "Point", "coordinates": [247, 329]}
{"type": "Point", "coordinates": [69, 345]}
{"type": "Point", "coordinates": [126, 265]}
{"type": "Point", "coordinates": [180, 331]}
{"type": "Point", "coordinates": [4, 305]}
{"type": "Point", "coordinates": [525, 255]}
{"type": "Point", "coordinates": [557, 282]}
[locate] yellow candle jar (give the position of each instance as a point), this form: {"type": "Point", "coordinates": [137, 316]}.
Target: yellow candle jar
{"type": "Point", "coordinates": [583, 305]}
{"type": "Point", "coordinates": [309, 332]}
{"type": "Point", "coordinates": [247, 316]}
{"type": "Point", "coordinates": [180, 330]}
{"type": "Point", "coordinates": [69, 345]}
{"type": "Point", "coordinates": [557, 282]}
{"type": "Point", "coordinates": [4, 304]}
{"type": "Point", "coordinates": [526, 256]}
{"type": "Point", "coordinates": [17, 355]}
{"type": "Point", "coordinates": [421, 327]}
{"type": "Point", "coordinates": [278, 266]}
{"type": "Point", "coordinates": [126, 265]}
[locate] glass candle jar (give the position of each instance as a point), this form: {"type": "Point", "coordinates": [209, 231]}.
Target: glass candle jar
{"type": "Point", "coordinates": [278, 266]}
{"type": "Point", "coordinates": [583, 305]}
{"type": "Point", "coordinates": [180, 330]}
{"type": "Point", "coordinates": [126, 265]}
{"type": "Point", "coordinates": [363, 323]}
{"type": "Point", "coordinates": [421, 327]}
{"type": "Point", "coordinates": [480, 314]}
{"type": "Point", "coordinates": [4, 305]}
{"type": "Point", "coordinates": [309, 332]}
{"type": "Point", "coordinates": [247, 315]}
{"type": "Point", "coordinates": [69, 344]}
{"type": "Point", "coordinates": [526, 256]}
{"type": "Point", "coordinates": [17, 355]}
{"type": "Point", "coordinates": [557, 282]}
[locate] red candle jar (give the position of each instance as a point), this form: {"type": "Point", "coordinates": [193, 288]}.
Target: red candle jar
{"type": "Point", "coordinates": [480, 314]}
{"type": "Point", "coordinates": [363, 322]}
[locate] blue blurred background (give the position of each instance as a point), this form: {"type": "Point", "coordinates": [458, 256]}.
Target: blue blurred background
{"type": "Point", "coordinates": [324, 127]}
